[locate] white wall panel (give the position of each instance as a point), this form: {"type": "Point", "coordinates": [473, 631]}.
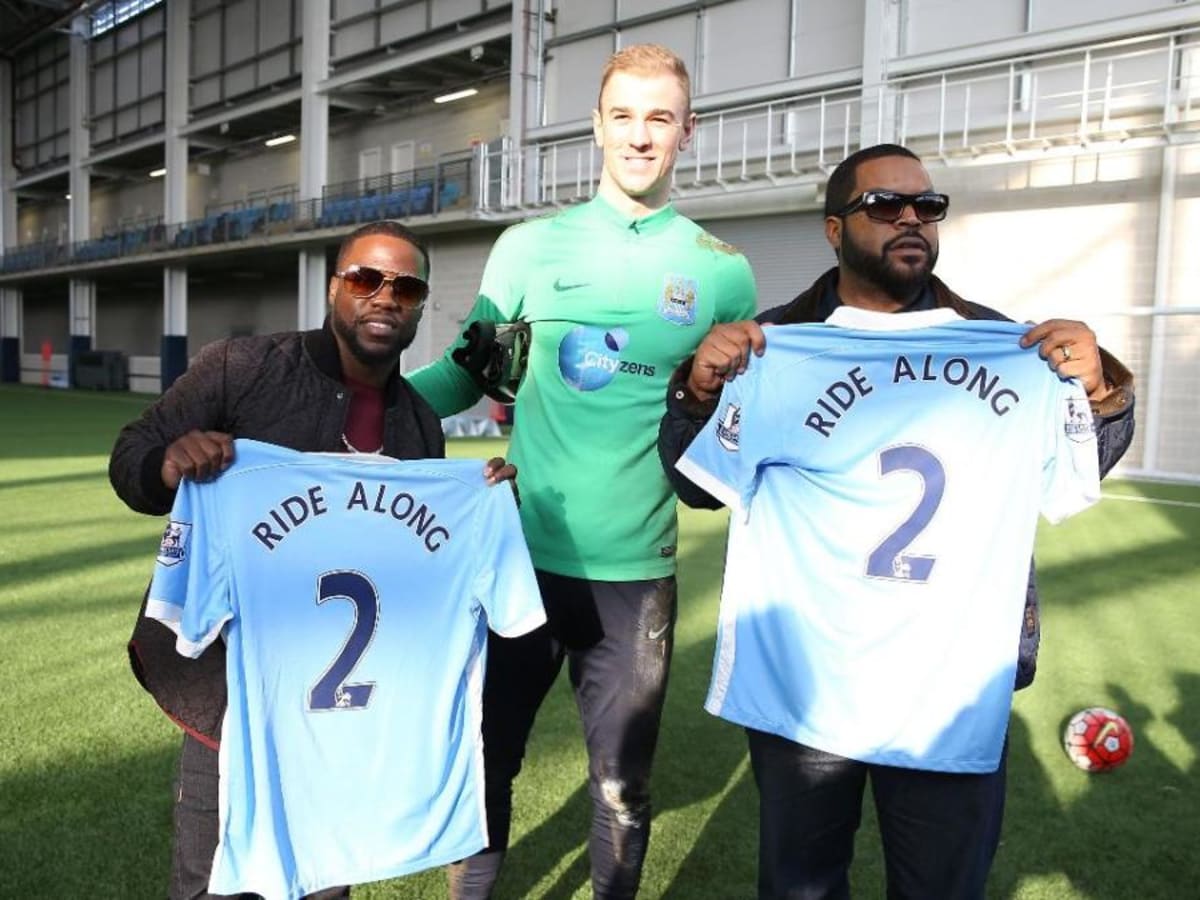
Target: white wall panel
{"type": "Point", "coordinates": [642, 7]}
{"type": "Point", "coordinates": [357, 37]}
{"type": "Point", "coordinates": [829, 36]}
{"type": "Point", "coordinates": [939, 24]}
{"type": "Point", "coordinates": [127, 36]}
{"type": "Point", "coordinates": [151, 65]}
{"type": "Point", "coordinates": [573, 77]}
{"type": "Point", "coordinates": [206, 37]}
{"type": "Point", "coordinates": [1064, 13]}
{"type": "Point", "coordinates": [102, 88]}
{"type": "Point", "coordinates": [239, 80]}
{"type": "Point", "coordinates": [344, 9]}
{"type": "Point", "coordinates": [745, 43]}
{"type": "Point", "coordinates": [446, 11]}
{"type": "Point", "coordinates": [240, 30]}
{"type": "Point", "coordinates": [275, 67]}
{"type": "Point", "coordinates": [678, 33]}
{"type": "Point", "coordinates": [26, 124]}
{"type": "Point", "coordinates": [572, 16]}
{"type": "Point", "coordinates": [401, 24]}
{"type": "Point", "coordinates": [277, 19]}
{"type": "Point", "coordinates": [127, 78]}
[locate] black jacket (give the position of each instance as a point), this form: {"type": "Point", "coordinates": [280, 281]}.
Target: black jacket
{"type": "Point", "coordinates": [686, 416]}
{"type": "Point", "coordinates": [285, 389]}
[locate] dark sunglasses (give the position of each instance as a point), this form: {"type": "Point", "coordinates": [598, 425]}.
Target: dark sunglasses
{"type": "Point", "coordinates": [364, 282]}
{"type": "Point", "coordinates": [888, 206]}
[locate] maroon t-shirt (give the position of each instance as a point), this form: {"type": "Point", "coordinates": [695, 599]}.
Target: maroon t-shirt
{"type": "Point", "coordinates": [364, 422]}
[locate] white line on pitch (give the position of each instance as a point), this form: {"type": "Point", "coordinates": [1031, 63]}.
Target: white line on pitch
{"type": "Point", "coordinates": [1187, 503]}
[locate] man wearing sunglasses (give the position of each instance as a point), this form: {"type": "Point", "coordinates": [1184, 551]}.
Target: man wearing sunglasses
{"type": "Point", "coordinates": [334, 389]}
{"type": "Point", "coordinates": [940, 830]}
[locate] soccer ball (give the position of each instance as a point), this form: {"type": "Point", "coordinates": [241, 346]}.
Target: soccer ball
{"type": "Point", "coordinates": [1097, 739]}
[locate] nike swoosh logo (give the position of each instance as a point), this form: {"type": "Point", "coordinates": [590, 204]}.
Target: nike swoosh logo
{"type": "Point", "coordinates": [568, 286]}
{"type": "Point", "coordinates": [658, 632]}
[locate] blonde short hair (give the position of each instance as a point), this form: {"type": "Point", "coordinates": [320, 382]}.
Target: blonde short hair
{"type": "Point", "coordinates": [646, 59]}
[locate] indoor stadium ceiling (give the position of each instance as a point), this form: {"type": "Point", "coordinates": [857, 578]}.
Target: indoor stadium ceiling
{"type": "Point", "coordinates": [22, 20]}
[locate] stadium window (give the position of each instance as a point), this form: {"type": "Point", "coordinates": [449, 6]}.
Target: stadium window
{"type": "Point", "coordinates": [109, 15]}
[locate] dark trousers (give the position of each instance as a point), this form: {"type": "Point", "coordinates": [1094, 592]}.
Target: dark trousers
{"type": "Point", "coordinates": [197, 823]}
{"type": "Point", "coordinates": [940, 830]}
{"type": "Point", "coordinates": [616, 638]}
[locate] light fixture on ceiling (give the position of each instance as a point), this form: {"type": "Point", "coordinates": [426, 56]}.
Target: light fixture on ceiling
{"type": "Point", "coordinates": [281, 139]}
{"type": "Point", "coordinates": [157, 173]}
{"type": "Point", "coordinates": [456, 95]}
{"type": "Point", "coordinates": [67, 197]}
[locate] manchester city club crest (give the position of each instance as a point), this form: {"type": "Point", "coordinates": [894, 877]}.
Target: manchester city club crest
{"type": "Point", "coordinates": [173, 547]}
{"type": "Point", "coordinates": [730, 426]}
{"type": "Point", "coordinates": [678, 300]}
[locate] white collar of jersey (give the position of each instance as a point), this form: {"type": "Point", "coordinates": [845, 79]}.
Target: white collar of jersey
{"type": "Point", "coordinates": [872, 320]}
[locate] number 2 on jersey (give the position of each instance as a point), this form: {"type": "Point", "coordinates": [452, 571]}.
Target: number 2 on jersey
{"type": "Point", "coordinates": [332, 690]}
{"type": "Point", "coordinates": [889, 560]}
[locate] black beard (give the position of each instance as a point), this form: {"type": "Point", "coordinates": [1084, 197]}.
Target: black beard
{"type": "Point", "coordinates": [386, 357]}
{"type": "Point", "coordinates": [901, 286]}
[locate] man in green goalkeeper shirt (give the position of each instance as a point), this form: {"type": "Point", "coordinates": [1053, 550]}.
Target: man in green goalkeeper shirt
{"type": "Point", "coordinates": [617, 292]}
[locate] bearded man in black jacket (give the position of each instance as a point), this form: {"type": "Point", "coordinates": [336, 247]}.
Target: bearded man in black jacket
{"type": "Point", "coordinates": [334, 389]}
{"type": "Point", "coordinates": [881, 215]}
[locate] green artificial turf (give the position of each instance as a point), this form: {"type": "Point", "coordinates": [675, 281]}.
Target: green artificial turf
{"type": "Point", "coordinates": [87, 761]}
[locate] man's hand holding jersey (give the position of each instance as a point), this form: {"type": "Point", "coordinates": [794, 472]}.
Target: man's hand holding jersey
{"type": "Point", "coordinates": [723, 355]}
{"type": "Point", "coordinates": [201, 455]}
{"type": "Point", "coordinates": [1069, 348]}
{"type": "Point", "coordinates": [198, 455]}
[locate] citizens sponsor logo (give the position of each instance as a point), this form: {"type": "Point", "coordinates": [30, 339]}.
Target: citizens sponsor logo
{"type": "Point", "coordinates": [729, 428]}
{"type": "Point", "coordinates": [173, 547]}
{"type": "Point", "coordinates": [589, 358]}
{"type": "Point", "coordinates": [677, 302]}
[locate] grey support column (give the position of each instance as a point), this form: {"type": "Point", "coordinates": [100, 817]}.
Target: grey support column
{"type": "Point", "coordinates": [173, 354]}
{"type": "Point", "coordinates": [10, 299]}
{"type": "Point", "coordinates": [525, 75]}
{"type": "Point", "coordinates": [314, 155]}
{"type": "Point", "coordinates": [882, 39]}
{"type": "Point", "coordinates": [82, 291]}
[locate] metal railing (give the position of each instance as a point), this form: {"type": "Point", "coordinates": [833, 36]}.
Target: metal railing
{"type": "Point", "coordinates": [421, 192]}
{"type": "Point", "coordinates": [1146, 87]}
{"type": "Point", "coordinates": [1141, 87]}
{"type": "Point", "coordinates": [797, 137]}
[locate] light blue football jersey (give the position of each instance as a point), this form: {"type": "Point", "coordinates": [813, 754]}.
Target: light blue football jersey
{"type": "Point", "coordinates": [885, 473]}
{"type": "Point", "coordinates": [354, 594]}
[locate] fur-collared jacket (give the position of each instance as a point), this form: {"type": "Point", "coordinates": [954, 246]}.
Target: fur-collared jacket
{"type": "Point", "coordinates": [686, 416]}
